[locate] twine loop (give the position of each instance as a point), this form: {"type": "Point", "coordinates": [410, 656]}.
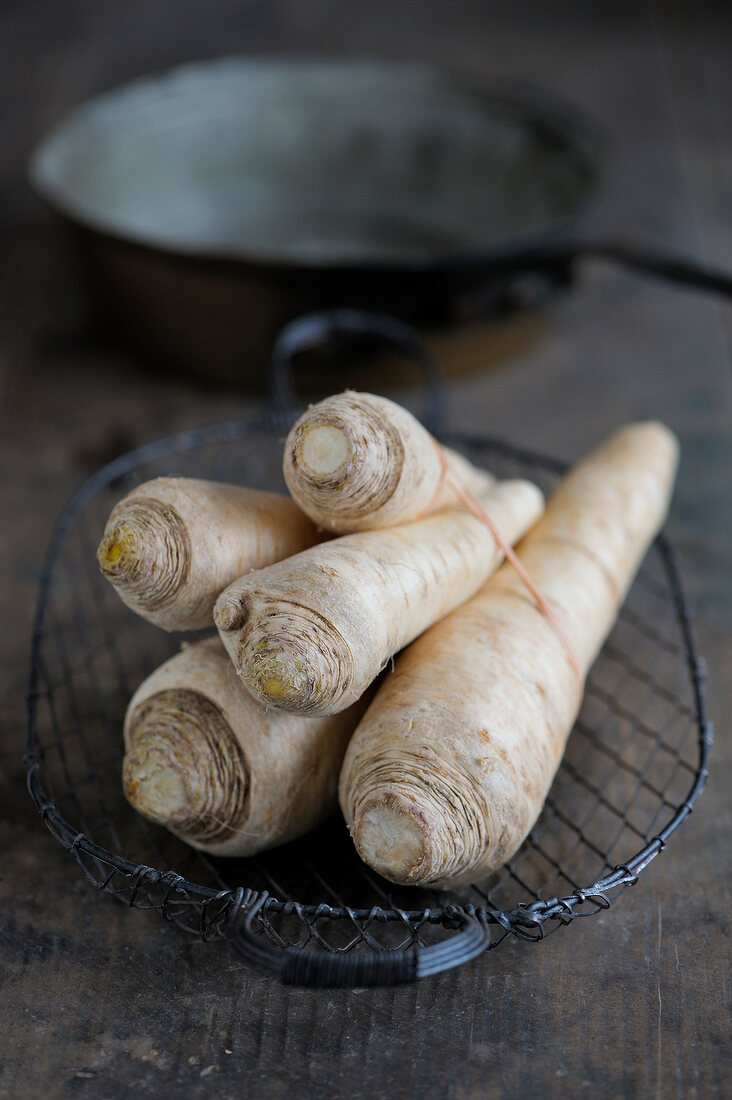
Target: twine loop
{"type": "Point", "coordinates": [470, 501]}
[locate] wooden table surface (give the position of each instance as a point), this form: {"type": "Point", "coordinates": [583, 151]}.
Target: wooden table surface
{"type": "Point", "coordinates": [99, 1000]}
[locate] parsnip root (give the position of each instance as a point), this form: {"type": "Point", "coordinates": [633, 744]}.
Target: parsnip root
{"type": "Point", "coordinates": [309, 634]}
{"type": "Point", "coordinates": [171, 545]}
{"type": "Point", "coordinates": [357, 462]}
{"type": "Point", "coordinates": [451, 764]}
{"type": "Point", "coordinates": [203, 759]}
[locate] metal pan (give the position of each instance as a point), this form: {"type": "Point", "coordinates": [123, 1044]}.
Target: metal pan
{"type": "Point", "coordinates": [214, 203]}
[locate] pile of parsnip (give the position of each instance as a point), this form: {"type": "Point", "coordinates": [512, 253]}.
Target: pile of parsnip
{"type": "Point", "coordinates": [245, 741]}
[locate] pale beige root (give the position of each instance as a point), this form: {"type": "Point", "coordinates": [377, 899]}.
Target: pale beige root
{"type": "Point", "coordinates": [171, 545]}
{"type": "Point", "coordinates": [309, 634]}
{"type": "Point", "coordinates": [204, 760]}
{"type": "Point", "coordinates": [450, 766]}
{"type": "Point", "coordinates": [357, 462]}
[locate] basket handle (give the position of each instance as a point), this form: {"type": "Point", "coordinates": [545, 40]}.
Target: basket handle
{"type": "Point", "coordinates": [334, 329]}
{"type": "Point", "coordinates": [346, 971]}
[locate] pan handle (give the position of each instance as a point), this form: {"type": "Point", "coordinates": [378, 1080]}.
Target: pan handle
{"type": "Point", "coordinates": [560, 260]}
{"type": "Point", "coordinates": [350, 971]}
{"type": "Point", "coordinates": [334, 329]}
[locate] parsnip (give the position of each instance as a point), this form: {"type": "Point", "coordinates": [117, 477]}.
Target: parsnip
{"type": "Point", "coordinates": [451, 764]}
{"type": "Point", "coordinates": [171, 545]}
{"type": "Point", "coordinates": [309, 634]}
{"type": "Point", "coordinates": [203, 760]}
{"type": "Point", "coordinates": [357, 462]}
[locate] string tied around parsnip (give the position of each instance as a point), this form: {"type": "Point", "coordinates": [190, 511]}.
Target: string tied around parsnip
{"type": "Point", "coordinates": [473, 504]}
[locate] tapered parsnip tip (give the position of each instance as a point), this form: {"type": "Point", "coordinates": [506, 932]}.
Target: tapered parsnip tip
{"type": "Point", "coordinates": [650, 437]}
{"type": "Point", "coordinates": [392, 835]}
{"type": "Point", "coordinates": [323, 449]}
{"type": "Point", "coordinates": [119, 551]}
{"type": "Point", "coordinates": [655, 427]}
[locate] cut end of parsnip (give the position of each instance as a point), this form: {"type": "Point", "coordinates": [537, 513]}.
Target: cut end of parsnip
{"type": "Point", "coordinates": [184, 768]}
{"type": "Point", "coordinates": [324, 449]}
{"type": "Point", "coordinates": [291, 658]}
{"type": "Point", "coordinates": [119, 551]}
{"type": "Point", "coordinates": [279, 679]}
{"type": "Point", "coordinates": [155, 785]}
{"type": "Point", "coordinates": [392, 836]}
{"type": "Point", "coordinates": [145, 553]}
{"type": "Point", "coordinates": [343, 461]}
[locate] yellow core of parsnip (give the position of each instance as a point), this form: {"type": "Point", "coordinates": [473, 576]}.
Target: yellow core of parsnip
{"type": "Point", "coordinates": [278, 678]}
{"type": "Point", "coordinates": [119, 551]}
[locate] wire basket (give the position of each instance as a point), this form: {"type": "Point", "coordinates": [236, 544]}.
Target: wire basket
{"type": "Point", "coordinates": [311, 912]}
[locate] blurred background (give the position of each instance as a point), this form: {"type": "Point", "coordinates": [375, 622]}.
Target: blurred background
{"type": "Point", "coordinates": [554, 369]}
{"type": "Point", "coordinates": [650, 84]}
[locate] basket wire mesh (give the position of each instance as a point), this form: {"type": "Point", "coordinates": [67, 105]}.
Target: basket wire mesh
{"type": "Point", "coordinates": [311, 912]}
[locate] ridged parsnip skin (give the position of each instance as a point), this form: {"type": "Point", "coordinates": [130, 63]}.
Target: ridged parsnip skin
{"type": "Point", "coordinates": [204, 760]}
{"type": "Point", "coordinates": [309, 634]}
{"type": "Point", "coordinates": [450, 766]}
{"type": "Point", "coordinates": [358, 462]}
{"type": "Point", "coordinates": [172, 544]}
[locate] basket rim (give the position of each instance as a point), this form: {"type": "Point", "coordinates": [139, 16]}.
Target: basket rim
{"type": "Point", "coordinates": [526, 920]}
